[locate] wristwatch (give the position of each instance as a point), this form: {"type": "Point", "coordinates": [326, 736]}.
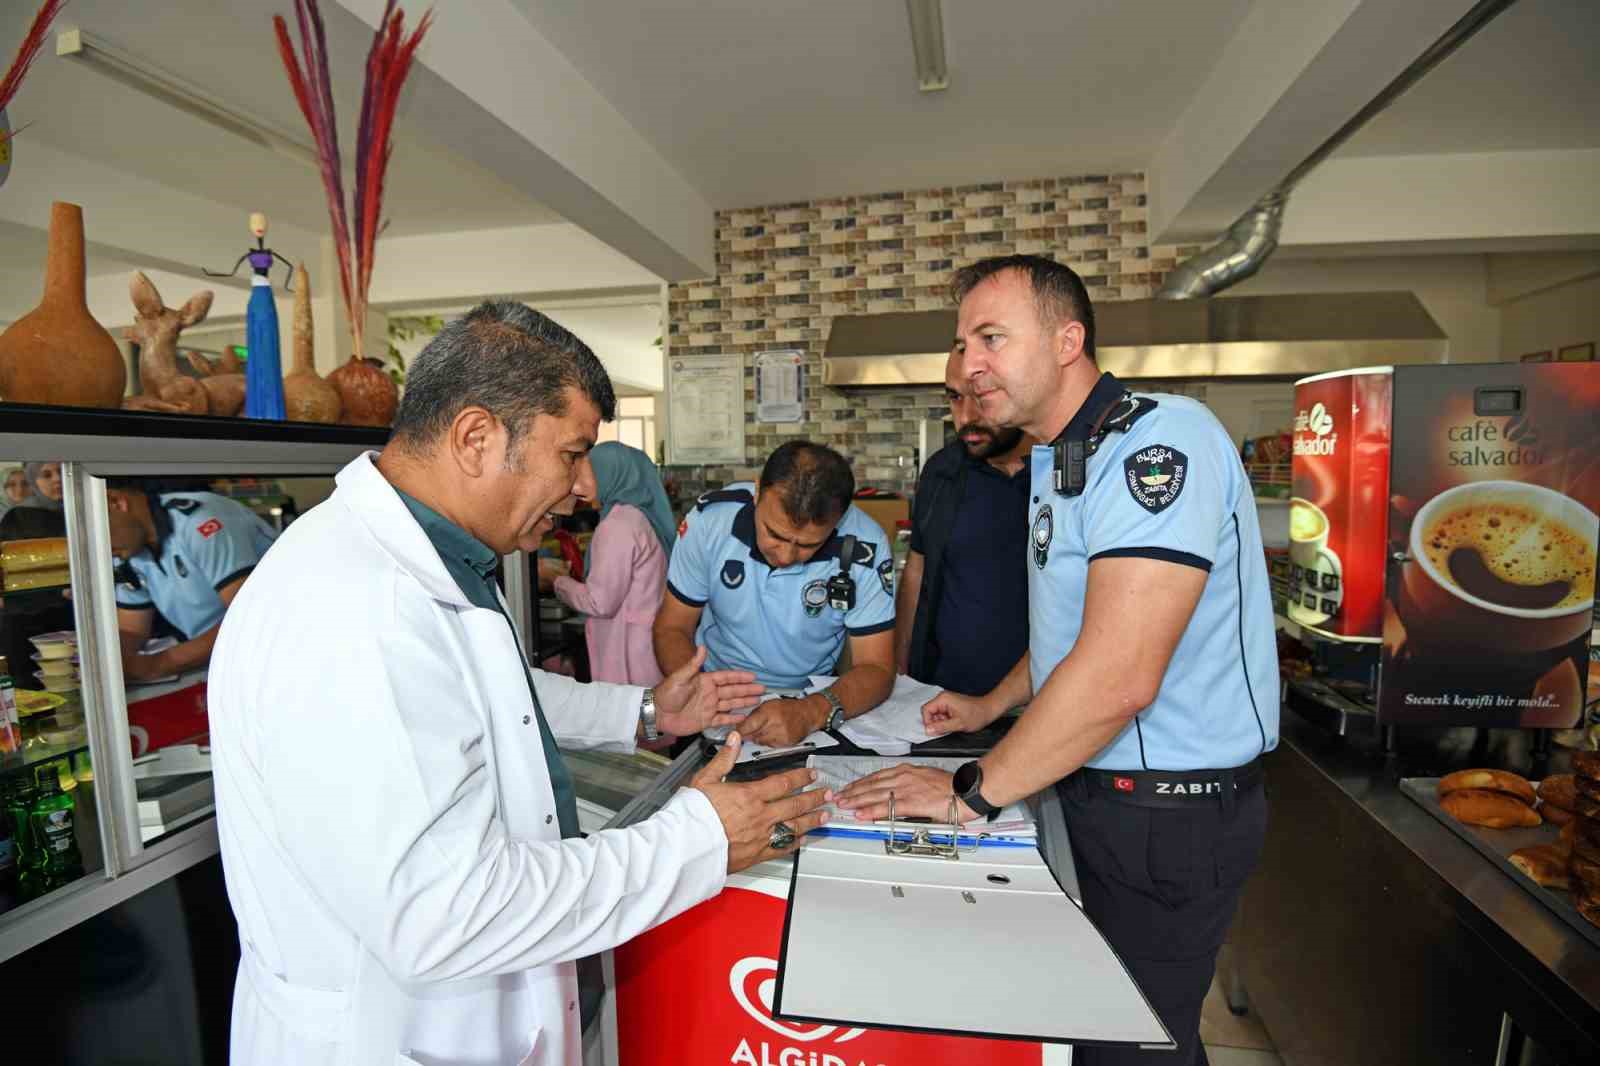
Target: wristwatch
{"type": "Point", "coordinates": [647, 715]}
{"type": "Point", "coordinates": [836, 714]}
{"type": "Point", "coordinates": [968, 785]}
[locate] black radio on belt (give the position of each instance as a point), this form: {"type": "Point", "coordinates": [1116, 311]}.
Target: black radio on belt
{"type": "Point", "coordinates": [1071, 456]}
{"type": "Point", "coordinates": [841, 588]}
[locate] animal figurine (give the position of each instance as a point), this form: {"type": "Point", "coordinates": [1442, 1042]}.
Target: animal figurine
{"type": "Point", "coordinates": [155, 329]}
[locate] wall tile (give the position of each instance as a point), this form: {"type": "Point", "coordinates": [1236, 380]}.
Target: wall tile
{"type": "Point", "coordinates": [786, 270]}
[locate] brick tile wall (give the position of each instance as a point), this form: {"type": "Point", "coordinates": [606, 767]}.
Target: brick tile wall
{"type": "Point", "coordinates": [785, 270]}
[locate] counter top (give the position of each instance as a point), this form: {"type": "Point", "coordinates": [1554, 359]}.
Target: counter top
{"type": "Point", "coordinates": [1516, 926]}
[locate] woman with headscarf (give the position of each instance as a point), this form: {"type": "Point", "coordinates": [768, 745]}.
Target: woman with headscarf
{"type": "Point", "coordinates": [626, 566]}
{"type": "Point", "coordinates": [45, 481]}
{"type": "Point", "coordinates": [13, 488]}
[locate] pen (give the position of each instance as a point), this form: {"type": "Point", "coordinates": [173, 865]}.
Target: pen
{"type": "Point", "coordinates": [768, 753]}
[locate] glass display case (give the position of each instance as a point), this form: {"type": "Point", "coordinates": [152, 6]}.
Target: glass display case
{"type": "Point", "coordinates": [105, 777]}
{"type": "Point", "coordinates": [114, 768]}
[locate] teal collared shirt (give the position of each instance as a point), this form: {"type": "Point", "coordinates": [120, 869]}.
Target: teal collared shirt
{"type": "Point", "coordinates": [473, 564]}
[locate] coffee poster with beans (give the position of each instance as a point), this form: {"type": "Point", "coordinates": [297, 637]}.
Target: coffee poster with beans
{"type": "Point", "coordinates": [1492, 538]}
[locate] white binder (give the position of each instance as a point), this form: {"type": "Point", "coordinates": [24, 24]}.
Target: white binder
{"type": "Point", "coordinates": [982, 944]}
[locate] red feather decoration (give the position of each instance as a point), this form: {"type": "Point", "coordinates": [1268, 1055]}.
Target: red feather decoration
{"type": "Point", "coordinates": [29, 51]}
{"type": "Point", "coordinates": [388, 62]}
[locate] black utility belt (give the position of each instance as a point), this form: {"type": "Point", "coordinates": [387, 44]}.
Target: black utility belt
{"type": "Point", "coordinates": [1169, 788]}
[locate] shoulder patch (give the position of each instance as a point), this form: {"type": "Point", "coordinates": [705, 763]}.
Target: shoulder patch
{"type": "Point", "coordinates": [1155, 476]}
{"type": "Point", "coordinates": [183, 506]}
{"type": "Point", "coordinates": [683, 526]}
{"type": "Point", "coordinates": [209, 528]}
{"type": "Point", "coordinates": [732, 574]}
{"type": "Point", "coordinates": [739, 496]}
{"type": "Point", "coordinates": [886, 575]}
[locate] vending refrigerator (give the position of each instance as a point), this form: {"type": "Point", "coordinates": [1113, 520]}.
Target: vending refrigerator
{"type": "Point", "coordinates": [1443, 519]}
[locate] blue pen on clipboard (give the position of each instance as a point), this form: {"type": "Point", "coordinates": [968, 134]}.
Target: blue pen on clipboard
{"type": "Point", "coordinates": [883, 834]}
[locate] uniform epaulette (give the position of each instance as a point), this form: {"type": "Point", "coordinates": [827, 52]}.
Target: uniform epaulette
{"type": "Point", "coordinates": [739, 496]}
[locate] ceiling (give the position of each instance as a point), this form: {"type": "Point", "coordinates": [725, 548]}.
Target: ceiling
{"type": "Point", "coordinates": [783, 100]}
{"type": "Point", "coordinates": [1528, 81]}
{"type": "Point", "coordinates": [74, 108]}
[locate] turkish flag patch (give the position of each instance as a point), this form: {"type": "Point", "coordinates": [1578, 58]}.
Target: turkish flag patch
{"type": "Point", "coordinates": [683, 526]}
{"type": "Point", "coordinates": [209, 528]}
{"type": "Point", "coordinates": [1123, 784]}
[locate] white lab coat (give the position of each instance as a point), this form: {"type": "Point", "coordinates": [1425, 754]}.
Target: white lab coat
{"type": "Point", "coordinates": [388, 828]}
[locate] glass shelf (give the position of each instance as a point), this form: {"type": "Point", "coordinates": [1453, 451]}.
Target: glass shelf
{"type": "Point", "coordinates": [27, 601]}
{"type": "Point", "coordinates": [64, 741]}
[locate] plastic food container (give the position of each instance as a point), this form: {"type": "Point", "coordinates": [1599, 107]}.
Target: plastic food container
{"type": "Point", "coordinates": [67, 667]}
{"type": "Point", "coordinates": [57, 684]}
{"type": "Point", "coordinates": [62, 644]}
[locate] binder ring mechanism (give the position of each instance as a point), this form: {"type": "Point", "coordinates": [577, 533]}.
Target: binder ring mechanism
{"type": "Point", "coordinates": [919, 839]}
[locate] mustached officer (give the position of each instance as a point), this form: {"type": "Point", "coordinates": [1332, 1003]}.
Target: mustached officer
{"type": "Point", "coordinates": [1152, 676]}
{"type": "Point", "coordinates": [774, 579]}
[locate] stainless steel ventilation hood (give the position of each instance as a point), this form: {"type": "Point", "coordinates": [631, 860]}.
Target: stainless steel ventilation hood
{"type": "Point", "coordinates": [1226, 337]}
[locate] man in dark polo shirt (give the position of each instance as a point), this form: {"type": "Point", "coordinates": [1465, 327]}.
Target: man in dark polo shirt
{"type": "Point", "coordinates": [961, 615]}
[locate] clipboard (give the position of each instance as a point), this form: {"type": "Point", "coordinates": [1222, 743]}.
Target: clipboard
{"type": "Point", "coordinates": [879, 930]}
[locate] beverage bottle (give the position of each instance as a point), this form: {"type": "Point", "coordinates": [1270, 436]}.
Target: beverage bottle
{"type": "Point", "coordinates": [59, 859]}
{"type": "Point", "coordinates": [19, 805]}
{"type": "Point", "coordinates": [8, 853]}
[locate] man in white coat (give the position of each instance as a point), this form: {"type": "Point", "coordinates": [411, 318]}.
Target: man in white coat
{"type": "Point", "coordinates": [398, 831]}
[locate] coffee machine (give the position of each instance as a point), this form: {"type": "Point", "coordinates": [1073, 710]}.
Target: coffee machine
{"type": "Point", "coordinates": [1443, 532]}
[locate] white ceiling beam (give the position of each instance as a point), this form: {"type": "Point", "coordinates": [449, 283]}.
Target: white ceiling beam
{"type": "Point", "coordinates": [1294, 72]}
{"type": "Point", "coordinates": [442, 268]}
{"type": "Point", "coordinates": [1485, 201]}
{"type": "Point", "coordinates": [496, 91]}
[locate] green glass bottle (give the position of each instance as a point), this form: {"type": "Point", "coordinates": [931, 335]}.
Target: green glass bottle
{"type": "Point", "coordinates": [8, 852]}
{"type": "Point", "coordinates": [19, 805]}
{"type": "Point", "coordinates": [53, 833]}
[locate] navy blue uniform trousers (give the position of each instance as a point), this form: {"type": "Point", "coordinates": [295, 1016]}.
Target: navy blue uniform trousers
{"type": "Point", "coordinates": [1163, 885]}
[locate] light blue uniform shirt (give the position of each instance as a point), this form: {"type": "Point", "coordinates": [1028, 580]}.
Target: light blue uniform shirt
{"type": "Point", "coordinates": [213, 541]}
{"type": "Point", "coordinates": [1171, 488]}
{"type": "Point", "coordinates": [775, 623]}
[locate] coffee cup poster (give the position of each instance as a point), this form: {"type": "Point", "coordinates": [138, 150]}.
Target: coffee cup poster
{"type": "Point", "coordinates": [1493, 488]}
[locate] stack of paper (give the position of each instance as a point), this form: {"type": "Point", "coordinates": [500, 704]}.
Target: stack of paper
{"type": "Point", "coordinates": [895, 724]}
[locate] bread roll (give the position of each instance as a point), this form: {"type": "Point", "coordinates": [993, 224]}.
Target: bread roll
{"type": "Point", "coordinates": [1495, 810]}
{"type": "Point", "coordinates": [1587, 899]}
{"type": "Point", "coordinates": [1555, 815]}
{"type": "Point", "coordinates": [1546, 864]}
{"type": "Point", "coordinates": [1585, 871]}
{"type": "Point", "coordinates": [1558, 789]}
{"type": "Point", "coordinates": [1587, 764]}
{"type": "Point", "coordinates": [1586, 808]}
{"type": "Point", "coordinates": [1490, 780]}
{"type": "Point", "coordinates": [1581, 787]}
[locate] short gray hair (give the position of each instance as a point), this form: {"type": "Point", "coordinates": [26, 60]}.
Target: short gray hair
{"type": "Point", "coordinates": [508, 359]}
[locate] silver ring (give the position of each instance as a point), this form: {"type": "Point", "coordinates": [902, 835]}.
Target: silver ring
{"type": "Point", "coordinates": [782, 836]}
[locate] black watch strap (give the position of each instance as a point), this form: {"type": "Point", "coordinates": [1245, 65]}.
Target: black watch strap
{"type": "Point", "coordinates": [968, 786]}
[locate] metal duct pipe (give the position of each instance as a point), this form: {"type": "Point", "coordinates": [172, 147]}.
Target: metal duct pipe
{"type": "Point", "coordinates": [1254, 236]}
{"type": "Point", "coordinates": [1238, 255]}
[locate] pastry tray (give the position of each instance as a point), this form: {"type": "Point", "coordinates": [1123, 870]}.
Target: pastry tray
{"type": "Point", "coordinates": [1497, 846]}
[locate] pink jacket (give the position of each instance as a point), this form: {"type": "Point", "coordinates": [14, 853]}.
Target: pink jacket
{"type": "Point", "coordinates": [627, 573]}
